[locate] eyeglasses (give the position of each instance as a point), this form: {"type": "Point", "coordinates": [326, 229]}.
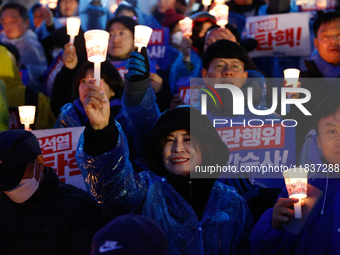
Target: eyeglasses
{"type": "Point", "coordinates": [235, 66]}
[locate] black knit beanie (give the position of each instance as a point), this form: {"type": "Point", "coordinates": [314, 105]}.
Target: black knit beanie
{"type": "Point", "coordinates": [223, 49]}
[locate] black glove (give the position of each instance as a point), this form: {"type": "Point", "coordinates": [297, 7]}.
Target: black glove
{"type": "Point", "coordinates": [138, 66]}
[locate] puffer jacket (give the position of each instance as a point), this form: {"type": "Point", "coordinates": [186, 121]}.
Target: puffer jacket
{"type": "Point", "coordinates": [58, 219]}
{"type": "Point", "coordinates": [225, 224]}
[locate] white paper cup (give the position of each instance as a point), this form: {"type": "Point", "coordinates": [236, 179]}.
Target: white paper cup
{"type": "Point", "coordinates": [72, 26]}
{"type": "Point", "coordinates": [291, 76]}
{"type": "Point", "coordinates": [186, 26]}
{"type": "Point", "coordinates": [27, 115]}
{"type": "Point", "coordinates": [296, 184]}
{"type": "Point", "coordinates": [221, 15]}
{"type": "Point", "coordinates": [142, 36]}
{"type": "Point", "coordinates": [96, 45]}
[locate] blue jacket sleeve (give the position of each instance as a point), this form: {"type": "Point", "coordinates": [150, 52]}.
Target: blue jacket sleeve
{"type": "Point", "coordinates": [110, 178]}
{"type": "Point", "coordinates": [139, 102]}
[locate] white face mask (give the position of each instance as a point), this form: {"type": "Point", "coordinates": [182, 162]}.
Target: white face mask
{"type": "Point", "coordinates": [25, 189]}
{"type": "Point", "coordinates": [176, 38]}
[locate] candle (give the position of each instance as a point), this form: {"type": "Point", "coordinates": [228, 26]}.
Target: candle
{"type": "Point", "coordinates": [186, 26]}
{"type": "Point", "coordinates": [52, 4]}
{"type": "Point", "coordinates": [296, 184]}
{"type": "Point", "coordinates": [72, 26]}
{"type": "Point", "coordinates": [142, 36]}
{"type": "Point", "coordinates": [96, 47]}
{"type": "Point", "coordinates": [291, 75]}
{"type": "Point", "coordinates": [221, 15]}
{"type": "Point", "coordinates": [27, 115]}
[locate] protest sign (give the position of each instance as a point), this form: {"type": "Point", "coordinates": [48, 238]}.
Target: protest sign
{"type": "Point", "coordinates": [280, 35]}
{"type": "Point", "coordinates": [59, 147]}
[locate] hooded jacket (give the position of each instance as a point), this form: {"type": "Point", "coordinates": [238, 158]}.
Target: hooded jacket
{"type": "Point", "coordinates": [321, 232]}
{"type": "Point", "coordinates": [58, 219]}
{"type": "Point", "coordinates": [225, 223]}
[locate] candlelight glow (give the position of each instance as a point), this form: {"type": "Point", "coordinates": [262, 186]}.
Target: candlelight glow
{"type": "Point", "coordinates": [221, 15]}
{"type": "Point", "coordinates": [142, 36]}
{"type": "Point", "coordinates": [27, 115]}
{"type": "Point", "coordinates": [186, 26]}
{"type": "Point", "coordinates": [52, 4]}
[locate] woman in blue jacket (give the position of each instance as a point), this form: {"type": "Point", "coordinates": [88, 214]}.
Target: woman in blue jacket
{"type": "Point", "coordinates": [199, 216]}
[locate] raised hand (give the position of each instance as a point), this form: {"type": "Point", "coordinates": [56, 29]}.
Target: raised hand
{"type": "Point", "coordinates": [281, 211]}
{"type": "Point", "coordinates": [70, 58]}
{"type": "Point", "coordinates": [96, 105]}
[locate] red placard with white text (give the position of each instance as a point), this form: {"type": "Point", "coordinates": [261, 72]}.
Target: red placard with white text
{"type": "Point", "coordinates": [58, 147]}
{"type": "Point", "coordinates": [280, 35]}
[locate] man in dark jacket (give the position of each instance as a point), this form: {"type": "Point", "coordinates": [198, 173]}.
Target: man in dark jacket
{"type": "Point", "coordinates": [322, 72]}
{"type": "Point", "coordinates": [38, 213]}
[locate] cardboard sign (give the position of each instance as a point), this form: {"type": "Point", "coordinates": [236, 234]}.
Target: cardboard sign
{"type": "Point", "coordinates": [280, 35]}
{"type": "Point", "coordinates": [59, 147]}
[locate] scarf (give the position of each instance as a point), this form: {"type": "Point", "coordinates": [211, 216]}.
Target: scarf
{"type": "Point", "coordinates": [326, 69]}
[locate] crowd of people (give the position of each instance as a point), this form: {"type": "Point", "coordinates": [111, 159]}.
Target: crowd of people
{"type": "Point", "coordinates": [143, 138]}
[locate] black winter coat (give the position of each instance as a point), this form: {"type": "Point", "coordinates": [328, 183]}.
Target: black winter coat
{"type": "Point", "coordinates": [57, 219]}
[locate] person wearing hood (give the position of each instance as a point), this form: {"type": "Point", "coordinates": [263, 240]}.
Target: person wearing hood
{"type": "Point", "coordinates": [321, 230]}
{"type": "Point", "coordinates": [39, 214]}
{"type": "Point", "coordinates": [199, 216]}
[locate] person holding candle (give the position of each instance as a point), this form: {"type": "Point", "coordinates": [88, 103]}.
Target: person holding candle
{"type": "Point", "coordinates": [321, 230]}
{"type": "Point", "coordinates": [121, 44]}
{"type": "Point", "coordinates": [189, 211]}
{"type": "Point", "coordinates": [73, 114]}
{"type": "Point", "coordinates": [322, 71]}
